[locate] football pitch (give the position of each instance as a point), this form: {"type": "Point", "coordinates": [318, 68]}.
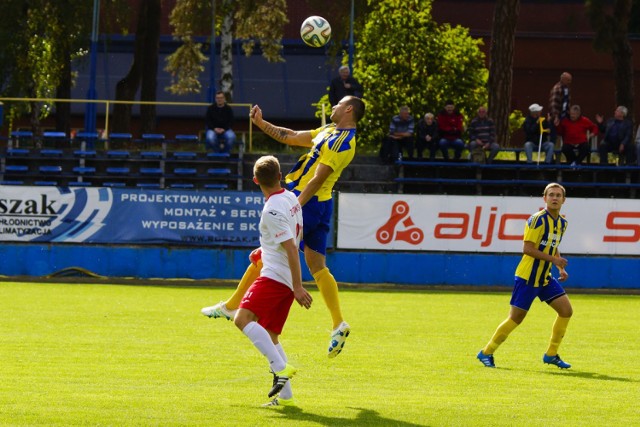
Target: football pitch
{"type": "Point", "coordinates": [118, 355]}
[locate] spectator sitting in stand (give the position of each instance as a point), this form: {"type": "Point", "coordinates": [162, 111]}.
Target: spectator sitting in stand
{"type": "Point", "coordinates": [575, 131]}
{"type": "Point", "coordinates": [450, 127]}
{"type": "Point", "coordinates": [616, 138]}
{"type": "Point", "coordinates": [343, 85]}
{"type": "Point", "coordinates": [534, 127]}
{"type": "Point", "coordinates": [400, 137]}
{"type": "Point", "coordinates": [427, 136]}
{"type": "Point", "coordinates": [219, 119]}
{"type": "Point", "coordinates": [482, 135]}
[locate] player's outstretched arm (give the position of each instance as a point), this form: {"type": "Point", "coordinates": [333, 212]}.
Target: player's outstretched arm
{"type": "Point", "coordinates": [280, 134]}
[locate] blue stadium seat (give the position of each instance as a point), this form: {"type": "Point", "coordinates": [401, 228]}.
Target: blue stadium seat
{"type": "Point", "coordinates": [216, 186]}
{"type": "Point", "coordinates": [84, 170]}
{"type": "Point", "coordinates": [11, 182]}
{"type": "Point", "coordinates": [21, 137]}
{"type": "Point", "coordinates": [151, 171]}
{"type": "Point", "coordinates": [79, 184]}
{"type": "Point", "coordinates": [117, 140]}
{"type": "Point", "coordinates": [46, 183]}
{"type": "Point", "coordinates": [51, 152]}
{"type": "Point", "coordinates": [185, 155]}
{"type": "Point", "coordinates": [88, 138]}
{"type": "Point", "coordinates": [219, 171]}
{"type": "Point", "coordinates": [157, 155]}
{"type": "Point", "coordinates": [17, 152]}
{"type": "Point", "coordinates": [123, 154]}
{"type": "Point", "coordinates": [222, 156]}
{"type": "Point", "coordinates": [182, 185]}
{"type": "Point", "coordinates": [114, 184]}
{"type": "Point", "coordinates": [85, 153]}
{"type": "Point", "coordinates": [50, 170]}
{"type": "Point", "coordinates": [117, 171]}
{"type": "Point", "coordinates": [150, 138]}
{"type": "Point", "coordinates": [54, 138]}
{"type": "Point", "coordinates": [16, 169]}
{"type": "Point", "coordinates": [150, 185]}
{"type": "Point", "coordinates": [187, 138]}
{"type": "Point", "coordinates": [185, 171]}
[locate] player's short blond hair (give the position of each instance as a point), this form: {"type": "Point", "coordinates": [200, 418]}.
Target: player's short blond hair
{"type": "Point", "coordinates": [554, 185]}
{"type": "Point", "coordinates": [267, 171]}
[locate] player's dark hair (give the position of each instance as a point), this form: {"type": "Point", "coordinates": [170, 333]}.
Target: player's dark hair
{"type": "Point", "coordinates": [358, 107]}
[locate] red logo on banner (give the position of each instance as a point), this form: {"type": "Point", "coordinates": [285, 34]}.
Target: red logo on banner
{"type": "Point", "coordinates": [400, 215]}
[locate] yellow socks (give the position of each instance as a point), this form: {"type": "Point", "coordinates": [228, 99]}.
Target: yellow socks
{"type": "Point", "coordinates": [329, 290]}
{"type": "Point", "coordinates": [247, 280]}
{"type": "Point", "coordinates": [557, 333]}
{"type": "Point", "coordinates": [501, 334]}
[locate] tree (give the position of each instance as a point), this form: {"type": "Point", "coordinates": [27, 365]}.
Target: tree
{"type": "Point", "coordinates": [143, 71]}
{"type": "Point", "coordinates": [257, 23]}
{"type": "Point", "coordinates": [40, 40]}
{"type": "Point", "coordinates": [503, 33]}
{"type": "Point", "coordinates": [611, 24]}
{"type": "Point", "coordinates": [404, 57]}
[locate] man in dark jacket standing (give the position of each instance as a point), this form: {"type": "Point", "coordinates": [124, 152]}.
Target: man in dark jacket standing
{"type": "Point", "coordinates": [343, 85]}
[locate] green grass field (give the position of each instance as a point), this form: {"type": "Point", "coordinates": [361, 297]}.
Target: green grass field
{"type": "Point", "coordinates": [87, 354]}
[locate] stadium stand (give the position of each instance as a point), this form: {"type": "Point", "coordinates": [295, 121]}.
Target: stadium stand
{"type": "Point", "coordinates": [152, 163]}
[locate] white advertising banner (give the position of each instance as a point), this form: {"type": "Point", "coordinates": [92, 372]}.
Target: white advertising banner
{"type": "Point", "coordinates": [481, 223]}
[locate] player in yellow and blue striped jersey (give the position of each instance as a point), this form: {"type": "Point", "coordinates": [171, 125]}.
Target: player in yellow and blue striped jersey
{"type": "Point", "coordinates": [542, 235]}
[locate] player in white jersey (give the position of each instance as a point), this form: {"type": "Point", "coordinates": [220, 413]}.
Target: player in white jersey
{"type": "Point", "coordinates": [265, 306]}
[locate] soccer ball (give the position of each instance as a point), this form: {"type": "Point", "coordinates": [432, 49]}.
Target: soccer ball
{"type": "Point", "coordinates": [315, 31]}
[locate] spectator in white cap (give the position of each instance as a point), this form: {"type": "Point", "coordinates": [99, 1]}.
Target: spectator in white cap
{"type": "Point", "coordinates": [537, 131]}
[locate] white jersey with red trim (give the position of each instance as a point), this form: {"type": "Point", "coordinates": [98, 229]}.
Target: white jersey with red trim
{"type": "Point", "coordinates": [281, 220]}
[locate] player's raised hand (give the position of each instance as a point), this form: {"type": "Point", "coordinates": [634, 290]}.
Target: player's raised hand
{"type": "Point", "coordinates": [256, 115]}
{"type": "Point", "coordinates": [303, 297]}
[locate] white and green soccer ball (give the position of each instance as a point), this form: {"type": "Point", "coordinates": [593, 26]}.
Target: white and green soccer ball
{"type": "Point", "coordinates": [315, 31]}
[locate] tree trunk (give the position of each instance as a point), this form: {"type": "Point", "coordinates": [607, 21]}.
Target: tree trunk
{"type": "Point", "coordinates": [505, 18]}
{"type": "Point", "coordinates": [622, 56]}
{"type": "Point", "coordinates": [63, 109]}
{"type": "Point", "coordinates": [226, 55]}
{"type": "Point", "coordinates": [127, 88]}
{"type": "Point", "coordinates": [150, 66]}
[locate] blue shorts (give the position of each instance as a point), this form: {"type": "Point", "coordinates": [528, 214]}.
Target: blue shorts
{"type": "Point", "coordinates": [316, 217]}
{"type": "Point", "coordinates": [523, 294]}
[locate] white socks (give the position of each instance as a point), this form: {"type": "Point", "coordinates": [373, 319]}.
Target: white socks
{"type": "Point", "coordinates": [261, 339]}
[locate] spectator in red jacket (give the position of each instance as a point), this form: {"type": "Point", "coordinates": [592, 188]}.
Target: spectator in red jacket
{"type": "Point", "coordinates": [450, 127]}
{"type": "Point", "coordinates": [575, 131]}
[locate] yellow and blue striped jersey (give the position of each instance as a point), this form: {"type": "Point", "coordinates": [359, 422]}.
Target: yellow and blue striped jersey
{"type": "Point", "coordinates": [546, 233]}
{"type": "Point", "coordinates": [331, 147]}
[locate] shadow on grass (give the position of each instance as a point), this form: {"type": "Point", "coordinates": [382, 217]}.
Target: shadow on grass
{"type": "Point", "coordinates": [591, 376]}
{"type": "Point", "coordinates": [365, 417]}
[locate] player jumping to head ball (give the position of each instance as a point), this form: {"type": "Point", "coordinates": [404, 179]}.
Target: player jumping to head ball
{"type": "Point", "coordinates": [331, 149]}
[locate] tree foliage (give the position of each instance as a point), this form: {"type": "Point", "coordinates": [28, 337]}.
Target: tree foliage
{"type": "Point", "coordinates": [40, 40]}
{"type": "Point", "coordinates": [257, 23]}
{"type": "Point", "coordinates": [403, 57]}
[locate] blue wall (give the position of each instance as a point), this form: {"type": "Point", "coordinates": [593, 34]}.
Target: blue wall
{"type": "Point", "coordinates": [353, 267]}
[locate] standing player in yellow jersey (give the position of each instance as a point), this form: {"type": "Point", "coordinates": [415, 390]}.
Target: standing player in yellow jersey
{"type": "Point", "coordinates": [542, 235]}
{"type": "Point", "coordinates": [331, 149]}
